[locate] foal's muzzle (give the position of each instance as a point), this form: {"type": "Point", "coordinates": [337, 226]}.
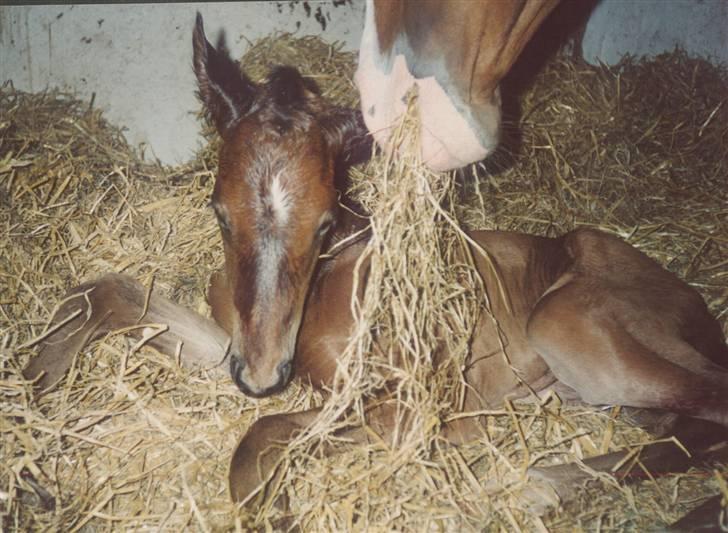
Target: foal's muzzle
{"type": "Point", "coordinates": [237, 366]}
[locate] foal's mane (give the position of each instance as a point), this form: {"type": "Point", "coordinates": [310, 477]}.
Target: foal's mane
{"type": "Point", "coordinates": [288, 101]}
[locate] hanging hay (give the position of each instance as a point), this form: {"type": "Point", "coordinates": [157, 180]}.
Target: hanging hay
{"type": "Point", "coordinates": [130, 440]}
{"type": "Point", "coordinates": [394, 351]}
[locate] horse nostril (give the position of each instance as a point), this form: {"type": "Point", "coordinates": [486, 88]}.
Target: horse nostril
{"type": "Point", "coordinates": [236, 368]}
{"type": "Point", "coordinates": [284, 371]}
{"type": "Point", "coordinates": [237, 365]}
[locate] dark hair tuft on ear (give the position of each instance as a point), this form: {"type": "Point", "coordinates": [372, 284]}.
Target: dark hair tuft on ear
{"type": "Point", "coordinates": [227, 94]}
{"type": "Point", "coordinates": [288, 88]}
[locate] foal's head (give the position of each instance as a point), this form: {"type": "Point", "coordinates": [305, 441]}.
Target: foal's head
{"type": "Point", "coordinates": [275, 201]}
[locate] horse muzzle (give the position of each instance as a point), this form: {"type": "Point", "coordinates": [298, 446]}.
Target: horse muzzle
{"type": "Point", "coordinates": [238, 374]}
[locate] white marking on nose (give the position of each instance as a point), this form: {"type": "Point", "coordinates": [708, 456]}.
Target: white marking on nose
{"type": "Point", "coordinates": [270, 247]}
{"type": "Point", "coordinates": [270, 253]}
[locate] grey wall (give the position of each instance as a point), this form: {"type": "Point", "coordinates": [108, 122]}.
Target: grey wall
{"type": "Point", "coordinates": [137, 58]}
{"type": "Point", "coordinates": [649, 27]}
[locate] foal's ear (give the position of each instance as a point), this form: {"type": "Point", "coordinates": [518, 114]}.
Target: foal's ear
{"type": "Point", "coordinates": [347, 135]}
{"type": "Point", "coordinates": [227, 94]}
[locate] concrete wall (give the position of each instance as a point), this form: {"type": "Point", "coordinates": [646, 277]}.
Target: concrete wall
{"type": "Point", "coordinates": [137, 58]}
{"type": "Point", "coordinates": [649, 27]}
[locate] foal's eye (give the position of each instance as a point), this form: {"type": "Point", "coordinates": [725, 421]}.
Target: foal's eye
{"type": "Point", "coordinates": [324, 228]}
{"type": "Point", "coordinates": [224, 225]}
{"type": "Point", "coordinates": [222, 220]}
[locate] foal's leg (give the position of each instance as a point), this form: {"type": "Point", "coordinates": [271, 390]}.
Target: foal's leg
{"type": "Point", "coordinates": [552, 485]}
{"type": "Point", "coordinates": [590, 350]}
{"type": "Point", "coordinates": [259, 451]}
{"type": "Point", "coordinates": [709, 516]}
{"type": "Point", "coordinates": [261, 448]}
{"type": "Point", "coordinates": [114, 302]}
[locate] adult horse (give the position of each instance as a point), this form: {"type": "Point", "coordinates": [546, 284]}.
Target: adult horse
{"type": "Point", "coordinates": [456, 52]}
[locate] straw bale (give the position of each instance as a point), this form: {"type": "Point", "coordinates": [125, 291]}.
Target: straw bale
{"type": "Point", "coordinates": [130, 440]}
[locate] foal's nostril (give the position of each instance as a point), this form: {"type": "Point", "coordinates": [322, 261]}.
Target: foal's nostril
{"type": "Point", "coordinates": [236, 368]}
{"type": "Point", "coordinates": [284, 371]}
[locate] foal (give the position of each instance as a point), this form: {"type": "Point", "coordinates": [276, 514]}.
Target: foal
{"type": "Point", "coordinates": [275, 201]}
{"type": "Point", "coordinates": [588, 313]}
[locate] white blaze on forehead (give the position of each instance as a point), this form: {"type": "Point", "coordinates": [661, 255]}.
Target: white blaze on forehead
{"type": "Point", "coordinates": [280, 200]}
{"type": "Point", "coordinates": [270, 253]}
{"type": "Point", "coordinates": [277, 204]}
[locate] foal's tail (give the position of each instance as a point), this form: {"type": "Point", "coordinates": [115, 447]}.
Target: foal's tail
{"type": "Point", "coordinates": [115, 302]}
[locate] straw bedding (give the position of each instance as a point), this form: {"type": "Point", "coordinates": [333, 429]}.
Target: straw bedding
{"type": "Point", "coordinates": [130, 440]}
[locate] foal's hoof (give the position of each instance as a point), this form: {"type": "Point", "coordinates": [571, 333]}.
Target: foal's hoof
{"type": "Point", "coordinates": [539, 496]}
{"type": "Point", "coordinates": [709, 516]}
